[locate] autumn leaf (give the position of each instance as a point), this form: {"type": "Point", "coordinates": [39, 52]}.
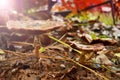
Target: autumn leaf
{"type": "Point", "coordinates": [42, 49]}
{"type": "Point", "coordinates": [117, 54]}
{"type": "Point", "coordinates": [1, 51]}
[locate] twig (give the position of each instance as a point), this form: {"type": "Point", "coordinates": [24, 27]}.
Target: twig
{"type": "Point", "coordinates": [65, 44]}
{"type": "Point", "coordinates": [113, 10]}
{"type": "Point", "coordinates": [15, 53]}
{"type": "Point", "coordinates": [60, 39]}
{"type": "Point", "coordinates": [21, 43]}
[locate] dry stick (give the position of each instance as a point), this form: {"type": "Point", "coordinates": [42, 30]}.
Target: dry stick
{"type": "Point", "coordinates": [15, 53]}
{"type": "Point", "coordinates": [21, 43]}
{"type": "Point", "coordinates": [12, 52]}
{"type": "Point", "coordinates": [65, 44]}
{"type": "Point", "coordinates": [14, 59]}
{"type": "Point", "coordinates": [60, 39]}
{"type": "Point", "coordinates": [20, 54]}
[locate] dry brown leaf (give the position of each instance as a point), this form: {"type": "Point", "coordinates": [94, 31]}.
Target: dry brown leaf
{"type": "Point", "coordinates": [103, 59]}
{"type": "Point", "coordinates": [106, 41]}
{"type": "Point", "coordinates": [85, 36]}
{"type": "Point", "coordinates": [94, 47]}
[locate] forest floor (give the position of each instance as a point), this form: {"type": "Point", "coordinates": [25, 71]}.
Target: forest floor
{"type": "Point", "coordinates": [72, 52]}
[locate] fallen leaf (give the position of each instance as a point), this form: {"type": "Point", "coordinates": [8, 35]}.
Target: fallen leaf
{"type": "Point", "coordinates": [1, 51]}
{"type": "Point", "coordinates": [106, 41]}
{"type": "Point", "coordinates": [94, 47]}
{"type": "Point", "coordinates": [41, 50]}
{"type": "Point", "coordinates": [103, 59]}
{"type": "Point", "coordinates": [2, 57]}
{"type": "Point", "coordinates": [117, 54]}
{"type": "Point", "coordinates": [87, 37]}
{"type": "Point", "coordinates": [93, 35]}
{"type": "Point", "coordinates": [56, 47]}
{"type": "Point", "coordinates": [116, 32]}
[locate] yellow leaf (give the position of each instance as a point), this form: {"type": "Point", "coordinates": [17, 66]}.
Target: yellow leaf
{"type": "Point", "coordinates": [1, 51]}
{"type": "Point", "coordinates": [42, 49]}
{"type": "Point", "coordinates": [117, 54]}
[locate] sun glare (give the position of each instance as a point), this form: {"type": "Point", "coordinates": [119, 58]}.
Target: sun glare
{"type": "Point", "coordinates": [4, 4]}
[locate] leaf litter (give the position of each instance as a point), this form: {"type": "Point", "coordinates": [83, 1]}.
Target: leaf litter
{"type": "Point", "coordinates": [70, 52]}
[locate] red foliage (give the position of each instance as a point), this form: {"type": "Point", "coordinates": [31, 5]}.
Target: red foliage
{"type": "Point", "coordinates": [118, 3]}
{"type": "Point", "coordinates": [80, 4]}
{"type": "Point", "coordinates": [76, 5]}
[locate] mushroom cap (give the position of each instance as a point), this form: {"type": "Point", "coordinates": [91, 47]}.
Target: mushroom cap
{"type": "Point", "coordinates": [33, 27]}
